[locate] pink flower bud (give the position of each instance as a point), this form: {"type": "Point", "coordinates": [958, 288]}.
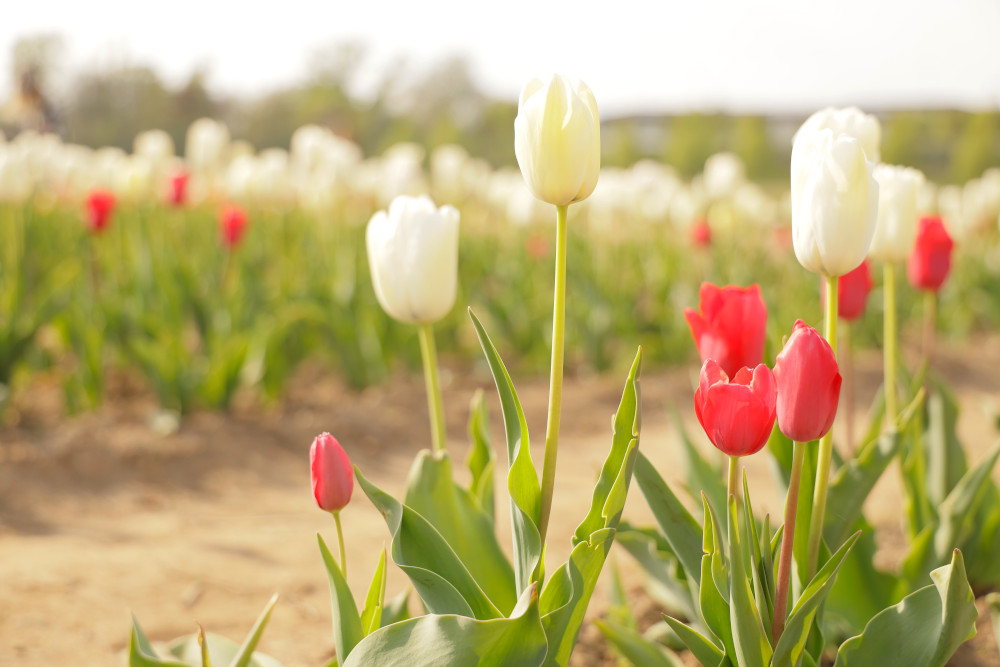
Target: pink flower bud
{"type": "Point", "coordinates": [808, 381]}
{"type": "Point", "coordinates": [930, 261]}
{"type": "Point", "coordinates": [178, 188]}
{"type": "Point", "coordinates": [232, 224]}
{"type": "Point", "coordinates": [730, 327]}
{"type": "Point", "coordinates": [737, 415]}
{"type": "Point", "coordinates": [332, 475]}
{"type": "Point", "coordinates": [100, 205]}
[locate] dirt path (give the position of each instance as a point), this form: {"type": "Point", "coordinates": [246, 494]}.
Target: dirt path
{"type": "Point", "coordinates": [100, 515]}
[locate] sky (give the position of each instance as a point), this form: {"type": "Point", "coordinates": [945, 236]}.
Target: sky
{"type": "Point", "coordinates": [637, 56]}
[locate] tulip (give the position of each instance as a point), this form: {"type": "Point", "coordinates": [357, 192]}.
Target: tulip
{"type": "Point", "coordinates": [413, 257]}
{"type": "Point", "coordinates": [557, 139]}
{"type": "Point", "coordinates": [808, 380]}
{"type": "Point", "coordinates": [896, 228]}
{"type": "Point", "coordinates": [834, 202]}
{"type": "Point", "coordinates": [737, 414]}
{"type": "Point", "coordinates": [930, 261]}
{"type": "Point", "coordinates": [701, 233]}
{"type": "Point", "coordinates": [731, 326]}
{"type": "Point", "coordinates": [853, 289]}
{"type": "Point", "coordinates": [100, 205]}
{"type": "Point", "coordinates": [332, 475]}
{"type": "Point", "coordinates": [178, 188]}
{"type": "Point", "coordinates": [852, 122]}
{"type": "Point", "coordinates": [232, 224]}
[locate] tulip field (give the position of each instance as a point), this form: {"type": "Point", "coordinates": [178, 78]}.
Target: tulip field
{"type": "Point", "coordinates": [762, 416]}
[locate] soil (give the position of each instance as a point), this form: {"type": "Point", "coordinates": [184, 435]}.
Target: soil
{"type": "Point", "coordinates": [103, 515]}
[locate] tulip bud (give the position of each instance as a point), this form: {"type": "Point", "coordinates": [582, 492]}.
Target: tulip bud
{"type": "Point", "coordinates": [731, 326]}
{"type": "Point", "coordinates": [852, 292]}
{"type": "Point", "coordinates": [232, 225]}
{"type": "Point", "coordinates": [737, 415]}
{"type": "Point", "coordinates": [896, 227]}
{"type": "Point", "coordinates": [100, 205]}
{"type": "Point", "coordinates": [557, 139]}
{"type": "Point", "coordinates": [851, 121]}
{"type": "Point", "coordinates": [332, 475]}
{"type": "Point", "coordinates": [834, 202]}
{"type": "Point", "coordinates": [178, 188]}
{"type": "Point", "coordinates": [701, 233]}
{"type": "Point", "coordinates": [808, 380]}
{"type": "Point", "coordinates": [930, 261]}
{"type": "Point", "coordinates": [413, 257]}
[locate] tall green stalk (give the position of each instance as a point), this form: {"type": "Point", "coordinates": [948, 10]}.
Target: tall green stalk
{"type": "Point", "coordinates": [555, 375]}
{"type": "Point", "coordinates": [731, 485]}
{"type": "Point", "coordinates": [435, 405]}
{"type": "Point", "coordinates": [825, 443]}
{"type": "Point", "coordinates": [889, 343]}
{"type": "Point", "coordinates": [787, 537]}
{"type": "Point", "coordinates": [340, 540]}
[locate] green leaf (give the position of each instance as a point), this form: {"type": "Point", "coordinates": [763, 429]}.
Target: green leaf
{"type": "Point", "coordinates": [749, 638]}
{"type": "Point", "coordinates": [347, 628]}
{"type": "Point", "coordinates": [666, 582]}
{"type": "Point", "coordinates": [221, 651]}
{"type": "Point", "coordinates": [635, 648]}
{"type": "Point", "coordinates": [397, 610]}
{"type": "Point", "coordinates": [792, 643]}
{"type": "Point", "coordinates": [702, 476]}
{"type": "Point", "coordinates": [371, 616]}
{"type": "Point", "coordinates": [860, 591]}
{"type": "Point", "coordinates": [763, 587]}
{"type": "Point", "coordinates": [934, 621]}
{"type": "Point", "coordinates": [141, 653]}
{"type": "Point", "coordinates": [803, 512]}
{"type": "Point", "coordinates": [705, 651]}
{"type": "Point", "coordinates": [522, 478]}
{"type": "Point", "coordinates": [680, 529]}
{"type": "Point", "coordinates": [458, 641]}
{"type": "Point", "coordinates": [436, 572]}
{"type": "Point", "coordinates": [481, 461]}
{"type": "Point", "coordinates": [456, 515]}
{"type": "Point", "coordinates": [713, 592]}
{"type": "Point", "coordinates": [245, 653]}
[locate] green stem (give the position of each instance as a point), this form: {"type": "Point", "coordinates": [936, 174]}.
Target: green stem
{"type": "Point", "coordinates": [787, 537]}
{"type": "Point", "coordinates": [930, 323]}
{"type": "Point", "coordinates": [731, 487]}
{"type": "Point", "coordinates": [555, 375]}
{"type": "Point", "coordinates": [340, 539]}
{"type": "Point", "coordinates": [847, 388]}
{"type": "Point", "coordinates": [890, 336]}
{"type": "Point", "coordinates": [435, 405]}
{"type": "Point", "coordinates": [825, 443]}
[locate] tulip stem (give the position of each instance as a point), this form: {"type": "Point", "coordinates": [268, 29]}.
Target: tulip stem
{"type": "Point", "coordinates": [556, 375]}
{"type": "Point", "coordinates": [889, 343]}
{"type": "Point", "coordinates": [825, 443]}
{"type": "Point", "coordinates": [340, 539]}
{"type": "Point", "coordinates": [734, 467]}
{"type": "Point", "coordinates": [787, 537]}
{"type": "Point", "coordinates": [847, 390]}
{"type": "Point", "coordinates": [930, 323]}
{"type": "Point", "coordinates": [435, 405]}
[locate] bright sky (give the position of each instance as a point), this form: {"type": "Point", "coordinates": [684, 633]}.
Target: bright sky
{"type": "Point", "coordinates": [637, 56]}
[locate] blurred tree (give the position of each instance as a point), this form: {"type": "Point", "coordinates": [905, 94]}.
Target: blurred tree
{"type": "Point", "coordinates": [752, 144]}
{"type": "Point", "coordinates": [691, 139]}
{"type": "Point", "coordinates": [976, 147]}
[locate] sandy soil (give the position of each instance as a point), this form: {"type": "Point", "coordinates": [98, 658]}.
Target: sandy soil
{"type": "Point", "coordinates": [100, 515]}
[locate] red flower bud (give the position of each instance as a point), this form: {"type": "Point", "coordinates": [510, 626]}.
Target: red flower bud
{"type": "Point", "coordinates": [332, 475]}
{"type": "Point", "coordinates": [730, 327]}
{"type": "Point", "coordinates": [808, 381]}
{"type": "Point", "coordinates": [852, 292]}
{"type": "Point", "coordinates": [232, 224]}
{"type": "Point", "coordinates": [930, 260]}
{"type": "Point", "coordinates": [737, 415]}
{"type": "Point", "coordinates": [701, 233]}
{"type": "Point", "coordinates": [178, 188]}
{"type": "Point", "coordinates": [100, 205]}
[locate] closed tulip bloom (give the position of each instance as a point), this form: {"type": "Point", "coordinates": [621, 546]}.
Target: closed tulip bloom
{"type": "Point", "coordinates": [100, 205]}
{"type": "Point", "coordinates": [834, 202]}
{"type": "Point", "coordinates": [852, 292]}
{"type": "Point", "coordinates": [557, 139]}
{"type": "Point", "coordinates": [177, 194]}
{"type": "Point", "coordinates": [737, 414]}
{"type": "Point", "coordinates": [851, 121]}
{"type": "Point", "coordinates": [413, 257]}
{"type": "Point", "coordinates": [930, 261]}
{"type": "Point", "coordinates": [701, 233]}
{"type": "Point", "coordinates": [332, 475]}
{"type": "Point", "coordinates": [896, 228]}
{"type": "Point", "coordinates": [232, 225]}
{"type": "Point", "coordinates": [808, 380]}
{"type": "Point", "coordinates": [731, 326]}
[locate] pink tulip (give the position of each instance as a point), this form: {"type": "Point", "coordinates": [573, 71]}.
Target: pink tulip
{"type": "Point", "coordinates": [332, 475]}
{"type": "Point", "coordinates": [737, 415]}
{"type": "Point", "coordinates": [930, 261]}
{"type": "Point", "coordinates": [178, 188]}
{"type": "Point", "coordinates": [100, 205]}
{"type": "Point", "coordinates": [808, 380]}
{"type": "Point", "coordinates": [232, 224]}
{"type": "Point", "coordinates": [731, 326]}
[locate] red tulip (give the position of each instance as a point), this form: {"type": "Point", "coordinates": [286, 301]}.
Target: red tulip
{"type": "Point", "coordinates": [730, 327]}
{"type": "Point", "coordinates": [232, 223]}
{"type": "Point", "coordinates": [701, 233]}
{"type": "Point", "coordinates": [930, 260]}
{"type": "Point", "coordinates": [100, 205]}
{"type": "Point", "coordinates": [737, 415]}
{"type": "Point", "coordinates": [332, 475]}
{"type": "Point", "coordinates": [178, 188]}
{"type": "Point", "coordinates": [852, 292]}
{"type": "Point", "coordinates": [808, 381]}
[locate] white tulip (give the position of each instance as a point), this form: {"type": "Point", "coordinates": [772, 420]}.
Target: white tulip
{"type": "Point", "coordinates": [851, 121]}
{"type": "Point", "coordinates": [413, 257]}
{"type": "Point", "coordinates": [896, 230]}
{"type": "Point", "coordinates": [834, 202]}
{"type": "Point", "coordinates": [557, 139]}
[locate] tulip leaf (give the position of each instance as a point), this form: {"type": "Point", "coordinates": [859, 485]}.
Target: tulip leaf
{"type": "Point", "coordinates": [347, 627]}
{"type": "Point", "coordinates": [397, 610]}
{"type": "Point", "coordinates": [481, 461]}
{"type": "Point", "coordinates": [860, 591]}
{"type": "Point", "coordinates": [946, 462]}
{"type": "Point", "coordinates": [792, 644]}
{"type": "Point", "coordinates": [749, 638]}
{"type": "Point", "coordinates": [713, 593]}
{"type": "Point", "coordinates": [456, 641]}
{"type": "Point", "coordinates": [141, 653]}
{"type": "Point", "coordinates": [244, 657]}
{"type": "Point", "coordinates": [371, 616]}
{"type": "Point", "coordinates": [635, 648]}
{"type": "Point", "coordinates": [702, 476]}
{"type": "Point", "coordinates": [522, 478]}
{"type": "Point", "coordinates": [665, 579]}
{"type": "Point", "coordinates": [434, 569]}
{"type": "Point", "coordinates": [456, 515]}
{"type": "Point", "coordinates": [221, 651]}
{"type": "Point", "coordinates": [705, 651]}
{"type": "Point", "coordinates": [923, 630]}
